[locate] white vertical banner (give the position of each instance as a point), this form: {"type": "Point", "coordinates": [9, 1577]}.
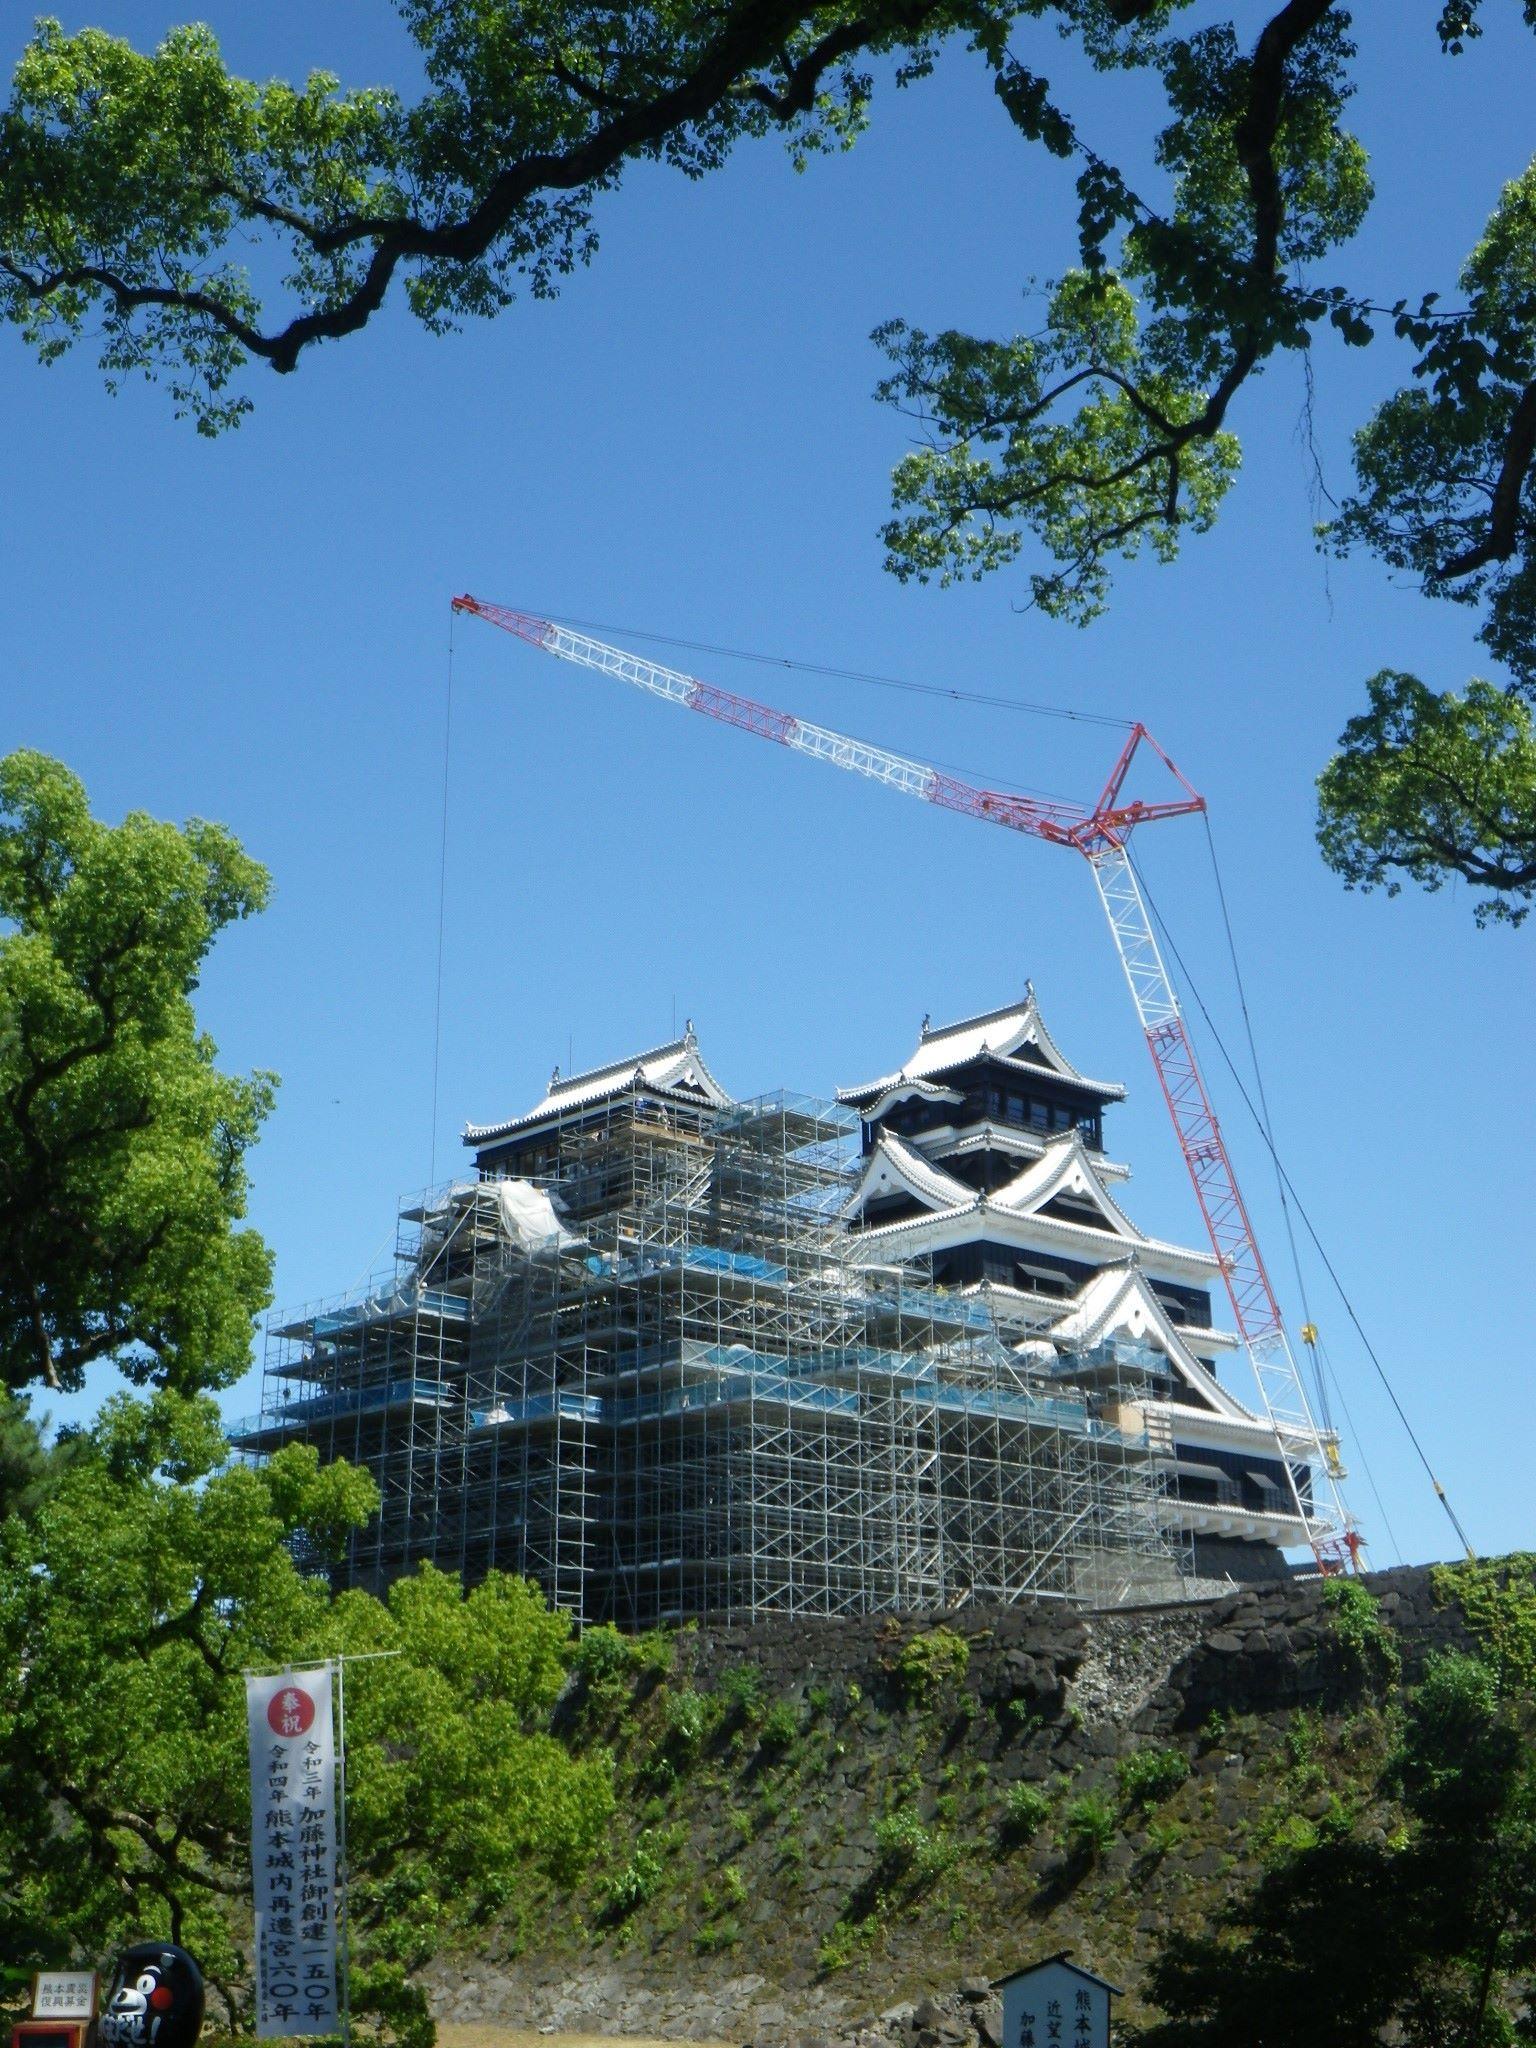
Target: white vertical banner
{"type": "Point", "coordinates": [293, 1851]}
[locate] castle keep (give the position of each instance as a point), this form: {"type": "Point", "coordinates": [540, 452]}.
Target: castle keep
{"type": "Point", "coordinates": [671, 1354]}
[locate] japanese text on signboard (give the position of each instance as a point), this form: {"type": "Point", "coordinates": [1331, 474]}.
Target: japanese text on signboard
{"type": "Point", "coordinates": [64, 1995]}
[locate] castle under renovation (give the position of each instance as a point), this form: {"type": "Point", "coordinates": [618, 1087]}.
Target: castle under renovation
{"type": "Point", "coordinates": [671, 1354]}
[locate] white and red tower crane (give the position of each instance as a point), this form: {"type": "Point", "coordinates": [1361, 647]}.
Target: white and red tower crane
{"type": "Point", "coordinates": [1101, 834]}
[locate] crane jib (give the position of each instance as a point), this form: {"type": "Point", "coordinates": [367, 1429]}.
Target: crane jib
{"type": "Point", "coordinates": [746, 712]}
{"type": "Point", "coordinates": [1101, 834]}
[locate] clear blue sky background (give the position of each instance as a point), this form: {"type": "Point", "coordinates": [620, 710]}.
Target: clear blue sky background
{"type": "Point", "coordinates": [256, 630]}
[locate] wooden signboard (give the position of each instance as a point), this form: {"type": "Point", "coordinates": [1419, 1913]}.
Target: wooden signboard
{"type": "Point", "coordinates": [64, 1995]}
{"type": "Point", "coordinates": [63, 2010]}
{"type": "Point", "coordinates": [1055, 2004]}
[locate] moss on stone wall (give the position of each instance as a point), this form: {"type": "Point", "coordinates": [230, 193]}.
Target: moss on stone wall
{"type": "Point", "coordinates": [818, 1817]}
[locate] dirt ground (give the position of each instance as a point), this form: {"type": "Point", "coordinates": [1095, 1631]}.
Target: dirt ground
{"type": "Point", "coordinates": [465, 2034]}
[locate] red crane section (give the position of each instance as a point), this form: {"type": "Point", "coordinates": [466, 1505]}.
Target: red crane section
{"type": "Point", "coordinates": [1100, 832]}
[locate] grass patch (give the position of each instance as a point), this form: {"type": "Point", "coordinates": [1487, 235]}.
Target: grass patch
{"type": "Point", "coordinates": [1303, 1733]}
{"type": "Point", "coordinates": [719, 1934]}
{"type": "Point", "coordinates": [1149, 1776]}
{"type": "Point", "coordinates": [847, 1941]}
{"type": "Point", "coordinates": [780, 1726]}
{"type": "Point", "coordinates": [928, 1664]}
{"type": "Point", "coordinates": [908, 1850]}
{"type": "Point", "coordinates": [1089, 1826]}
{"type": "Point", "coordinates": [1164, 1836]}
{"type": "Point", "coordinates": [1499, 1601]}
{"type": "Point", "coordinates": [1025, 1812]}
{"type": "Point", "coordinates": [739, 1696]}
{"type": "Point", "coordinates": [1369, 1645]}
{"type": "Point", "coordinates": [637, 1883]}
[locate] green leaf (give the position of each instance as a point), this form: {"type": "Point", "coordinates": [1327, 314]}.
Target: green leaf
{"type": "Point", "coordinates": [122, 1145]}
{"type": "Point", "coordinates": [1427, 787]}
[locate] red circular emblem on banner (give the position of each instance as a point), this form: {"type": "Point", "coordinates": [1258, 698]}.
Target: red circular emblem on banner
{"type": "Point", "coordinates": [290, 1711]}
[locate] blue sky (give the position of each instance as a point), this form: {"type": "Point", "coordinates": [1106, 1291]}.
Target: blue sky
{"type": "Point", "coordinates": [257, 629]}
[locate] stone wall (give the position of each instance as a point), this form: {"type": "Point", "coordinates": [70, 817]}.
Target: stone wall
{"type": "Point", "coordinates": [1263, 1649]}
{"type": "Point", "coordinates": [1050, 1698]}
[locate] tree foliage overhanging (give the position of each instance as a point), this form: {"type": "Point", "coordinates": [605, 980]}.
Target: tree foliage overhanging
{"type": "Point", "coordinates": [122, 1146]}
{"type": "Point", "coordinates": [134, 187]}
{"type": "Point", "coordinates": [1424, 1936]}
{"type": "Point", "coordinates": [132, 1595]}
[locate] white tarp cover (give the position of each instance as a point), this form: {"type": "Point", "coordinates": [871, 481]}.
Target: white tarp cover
{"type": "Point", "coordinates": [527, 1214]}
{"type": "Point", "coordinates": [530, 1217]}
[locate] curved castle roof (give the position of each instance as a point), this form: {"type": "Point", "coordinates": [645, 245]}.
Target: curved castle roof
{"type": "Point", "coordinates": [1015, 1036]}
{"type": "Point", "coordinates": [676, 1069]}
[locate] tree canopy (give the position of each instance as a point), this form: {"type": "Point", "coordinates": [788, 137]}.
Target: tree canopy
{"type": "Point", "coordinates": [1434, 785]}
{"type": "Point", "coordinates": [134, 186]}
{"type": "Point", "coordinates": [1426, 1935]}
{"type": "Point", "coordinates": [152, 1572]}
{"type": "Point", "coordinates": [122, 1146]}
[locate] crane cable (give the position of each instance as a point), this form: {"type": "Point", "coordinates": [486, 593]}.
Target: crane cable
{"type": "Point", "coordinates": [850, 675]}
{"type": "Point", "coordinates": [1322, 1365]}
{"type": "Point", "coordinates": [1357, 1439]}
{"type": "Point", "coordinates": [1309, 1326]}
{"type": "Point", "coordinates": [1301, 1210]}
{"type": "Point", "coordinates": [442, 897]}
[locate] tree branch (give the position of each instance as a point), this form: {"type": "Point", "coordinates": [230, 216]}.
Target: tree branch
{"type": "Point", "coordinates": [101, 1818]}
{"type": "Point", "coordinates": [1502, 536]}
{"type": "Point", "coordinates": [753, 34]}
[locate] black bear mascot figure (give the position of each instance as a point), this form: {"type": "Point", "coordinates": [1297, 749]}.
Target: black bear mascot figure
{"type": "Point", "coordinates": [156, 1999]}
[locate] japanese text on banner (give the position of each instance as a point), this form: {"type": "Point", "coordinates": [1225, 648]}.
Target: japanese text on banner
{"type": "Point", "coordinates": [293, 1852]}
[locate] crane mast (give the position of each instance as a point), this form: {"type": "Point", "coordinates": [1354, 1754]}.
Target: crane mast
{"type": "Point", "coordinates": [1101, 834]}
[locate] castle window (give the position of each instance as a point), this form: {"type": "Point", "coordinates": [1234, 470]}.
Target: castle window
{"type": "Point", "coordinates": [1040, 1279]}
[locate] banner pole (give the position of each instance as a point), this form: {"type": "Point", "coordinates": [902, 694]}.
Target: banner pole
{"type": "Point", "coordinates": [341, 1847]}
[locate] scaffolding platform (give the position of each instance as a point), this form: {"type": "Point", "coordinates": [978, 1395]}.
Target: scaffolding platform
{"type": "Point", "coordinates": [660, 1381]}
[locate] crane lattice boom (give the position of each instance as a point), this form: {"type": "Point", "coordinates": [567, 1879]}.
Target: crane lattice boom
{"type": "Point", "coordinates": [1100, 833]}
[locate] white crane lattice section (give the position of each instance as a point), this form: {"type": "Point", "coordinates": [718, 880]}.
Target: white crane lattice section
{"type": "Point", "coordinates": [1101, 834]}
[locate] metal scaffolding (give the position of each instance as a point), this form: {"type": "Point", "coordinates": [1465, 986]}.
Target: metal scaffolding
{"type": "Point", "coordinates": [661, 1380]}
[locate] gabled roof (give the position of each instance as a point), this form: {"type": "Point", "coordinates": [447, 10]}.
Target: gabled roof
{"type": "Point", "coordinates": [1016, 1034]}
{"type": "Point", "coordinates": [1013, 1215]}
{"type": "Point", "coordinates": [928, 1091]}
{"type": "Point", "coordinates": [896, 1168]}
{"type": "Point", "coordinates": [1061, 1956]}
{"type": "Point", "coordinates": [1118, 1299]}
{"type": "Point", "coordinates": [945, 1143]}
{"type": "Point", "coordinates": [1066, 1167]}
{"type": "Point", "coordinates": [943, 1229]}
{"type": "Point", "coordinates": [677, 1069]}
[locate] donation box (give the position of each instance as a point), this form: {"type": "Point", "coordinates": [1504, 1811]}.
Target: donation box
{"type": "Point", "coordinates": [63, 2011]}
